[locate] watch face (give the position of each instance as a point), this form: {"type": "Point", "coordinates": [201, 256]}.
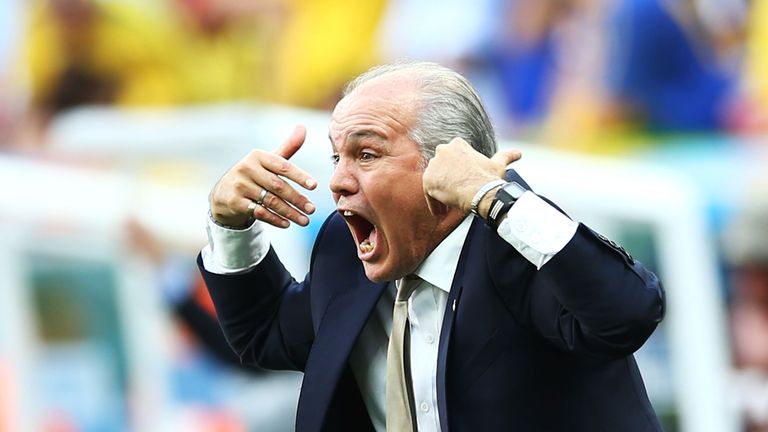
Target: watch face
{"type": "Point", "coordinates": [514, 190]}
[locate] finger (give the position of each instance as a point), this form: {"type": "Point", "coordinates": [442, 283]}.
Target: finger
{"type": "Point", "coordinates": [278, 206]}
{"type": "Point", "coordinates": [282, 167]}
{"type": "Point", "coordinates": [293, 143]}
{"type": "Point", "coordinates": [249, 207]}
{"type": "Point", "coordinates": [283, 190]}
{"type": "Point", "coordinates": [506, 157]}
{"type": "Point", "coordinates": [459, 141]}
{"type": "Point", "coordinates": [281, 196]}
{"type": "Point", "coordinates": [263, 214]}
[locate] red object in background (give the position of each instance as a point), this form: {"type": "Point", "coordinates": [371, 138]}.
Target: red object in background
{"type": "Point", "coordinates": [202, 297]}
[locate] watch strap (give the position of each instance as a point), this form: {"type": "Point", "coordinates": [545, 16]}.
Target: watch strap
{"type": "Point", "coordinates": [482, 192]}
{"type": "Point", "coordinates": [504, 199]}
{"type": "Point", "coordinates": [497, 212]}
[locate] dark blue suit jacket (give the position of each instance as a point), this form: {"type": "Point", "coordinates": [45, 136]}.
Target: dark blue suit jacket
{"type": "Point", "coordinates": [520, 349]}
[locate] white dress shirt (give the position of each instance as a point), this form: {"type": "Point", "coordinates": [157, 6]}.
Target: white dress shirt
{"type": "Point", "coordinates": [536, 229]}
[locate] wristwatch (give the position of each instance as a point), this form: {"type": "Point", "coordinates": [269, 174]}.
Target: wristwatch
{"type": "Point", "coordinates": [482, 192]}
{"type": "Point", "coordinates": [505, 198]}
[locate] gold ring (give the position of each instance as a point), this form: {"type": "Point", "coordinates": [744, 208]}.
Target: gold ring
{"type": "Point", "coordinates": [251, 207]}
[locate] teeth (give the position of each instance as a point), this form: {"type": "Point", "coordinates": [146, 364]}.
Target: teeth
{"type": "Point", "coordinates": [366, 246]}
{"type": "Point", "coordinates": [348, 213]}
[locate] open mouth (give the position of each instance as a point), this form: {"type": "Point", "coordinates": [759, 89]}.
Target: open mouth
{"type": "Point", "coordinates": [363, 231]}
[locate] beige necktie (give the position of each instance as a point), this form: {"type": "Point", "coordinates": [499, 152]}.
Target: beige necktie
{"type": "Point", "coordinates": [400, 417]}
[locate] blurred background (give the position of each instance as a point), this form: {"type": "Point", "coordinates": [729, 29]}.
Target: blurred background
{"type": "Point", "coordinates": [646, 119]}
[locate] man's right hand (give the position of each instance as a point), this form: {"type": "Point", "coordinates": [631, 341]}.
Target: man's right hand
{"type": "Point", "coordinates": [260, 170]}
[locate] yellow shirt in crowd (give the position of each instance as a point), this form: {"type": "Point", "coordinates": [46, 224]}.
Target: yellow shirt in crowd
{"type": "Point", "coordinates": [158, 57]}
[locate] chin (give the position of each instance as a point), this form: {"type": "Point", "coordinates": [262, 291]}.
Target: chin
{"type": "Point", "coordinates": [381, 272]}
{"type": "Point", "coordinates": [376, 274]}
{"type": "Point", "coordinates": [384, 272]}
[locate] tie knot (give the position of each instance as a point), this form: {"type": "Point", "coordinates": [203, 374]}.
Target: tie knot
{"type": "Point", "coordinates": [406, 286]}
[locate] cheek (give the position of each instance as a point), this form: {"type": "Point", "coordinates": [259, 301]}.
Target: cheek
{"type": "Point", "coordinates": [400, 207]}
{"type": "Point", "coordinates": [407, 226]}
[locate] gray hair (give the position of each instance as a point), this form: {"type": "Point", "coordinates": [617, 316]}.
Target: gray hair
{"type": "Point", "coordinates": [447, 107]}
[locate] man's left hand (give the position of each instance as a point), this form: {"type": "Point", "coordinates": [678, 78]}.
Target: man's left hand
{"type": "Point", "coordinates": [458, 171]}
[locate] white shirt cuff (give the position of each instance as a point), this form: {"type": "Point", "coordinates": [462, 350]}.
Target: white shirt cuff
{"type": "Point", "coordinates": [232, 251]}
{"type": "Point", "coordinates": [536, 229]}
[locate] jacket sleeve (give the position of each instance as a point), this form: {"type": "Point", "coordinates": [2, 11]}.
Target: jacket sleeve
{"type": "Point", "coordinates": [591, 298]}
{"type": "Point", "coordinates": [206, 328]}
{"type": "Point", "coordinates": [264, 313]}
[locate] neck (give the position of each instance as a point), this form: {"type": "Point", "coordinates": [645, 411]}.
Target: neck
{"type": "Point", "coordinates": [446, 224]}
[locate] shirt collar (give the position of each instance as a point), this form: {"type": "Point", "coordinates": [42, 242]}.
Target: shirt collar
{"type": "Point", "coordinates": [440, 265]}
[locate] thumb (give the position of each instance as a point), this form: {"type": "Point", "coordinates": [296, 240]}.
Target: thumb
{"type": "Point", "coordinates": [293, 143]}
{"type": "Point", "coordinates": [506, 157]}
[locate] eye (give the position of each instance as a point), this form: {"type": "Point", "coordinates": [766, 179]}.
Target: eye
{"type": "Point", "coordinates": [335, 159]}
{"type": "Point", "coordinates": [366, 156]}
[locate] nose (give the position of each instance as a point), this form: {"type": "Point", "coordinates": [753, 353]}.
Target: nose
{"type": "Point", "coordinates": [343, 181]}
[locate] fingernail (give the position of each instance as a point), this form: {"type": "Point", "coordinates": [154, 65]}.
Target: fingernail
{"type": "Point", "coordinates": [304, 220]}
{"type": "Point", "coordinates": [309, 208]}
{"type": "Point", "coordinates": [310, 183]}
{"type": "Point", "coordinates": [285, 223]}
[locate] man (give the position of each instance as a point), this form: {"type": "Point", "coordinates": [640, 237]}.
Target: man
{"type": "Point", "coordinates": [416, 314]}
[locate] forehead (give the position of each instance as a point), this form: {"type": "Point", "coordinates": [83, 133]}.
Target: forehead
{"type": "Point", "coordinates": [384, 105]}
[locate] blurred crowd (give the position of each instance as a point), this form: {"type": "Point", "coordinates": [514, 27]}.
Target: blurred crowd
{"type": "Point", "coordinates": [591, 75]}
{"type": "Point", "coordinates": [586, 74]}
{"type": "Point", "coordinates": [746, 251]}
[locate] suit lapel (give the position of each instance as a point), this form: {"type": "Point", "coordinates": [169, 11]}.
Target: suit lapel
{"type": "Point", "coordinates": [451, 309]}
{"type": "Point", "coordinates": [341, 324]}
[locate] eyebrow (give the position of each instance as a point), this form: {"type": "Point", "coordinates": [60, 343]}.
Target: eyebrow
{"type": "Point", "coordinates": [365, 133]}
{"type": "Point", "coordinates": [359, 135]}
